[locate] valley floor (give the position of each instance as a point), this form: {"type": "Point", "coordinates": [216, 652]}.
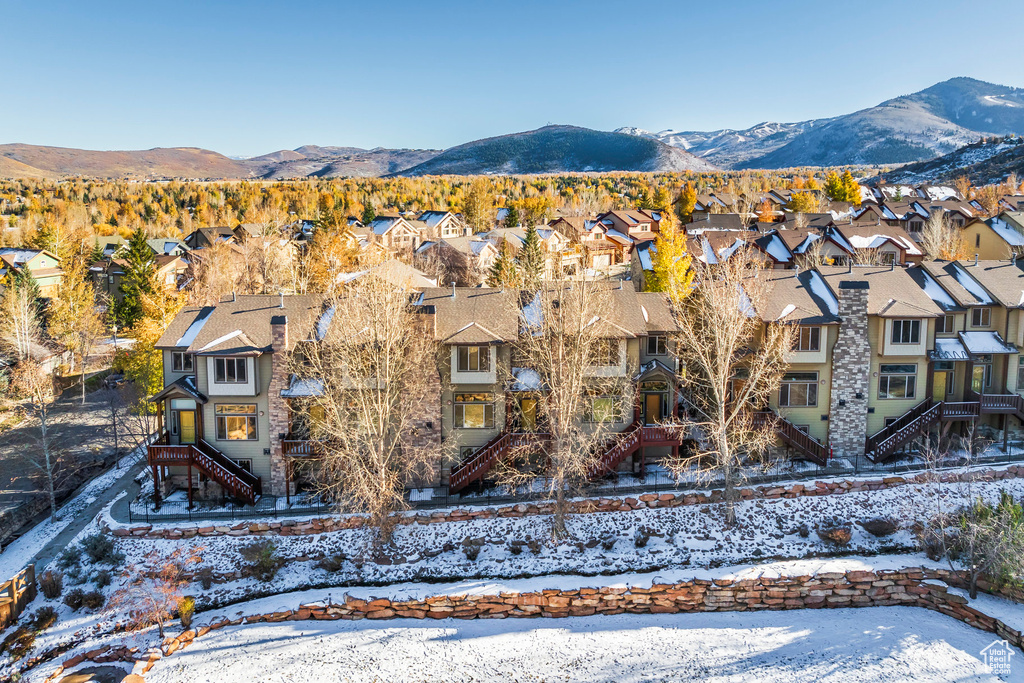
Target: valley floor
{"type": "Point", "coordinates": [851, 645]}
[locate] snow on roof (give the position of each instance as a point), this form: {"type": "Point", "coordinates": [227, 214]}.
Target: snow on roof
{"type": "Point", "coordinates": [302, 387]}
{"type": "Point", "coordinates": [777, 249]}
{"type": "Point", "coordinates": [1007, 232]}
{"type": "Point", "coordinates": [936, 293]}
{"type": "Point", "coordinates": [985, 343]}
{"type": "Point", "coordinates": [971, 285]}
{"type": "Point", "coordinates": [645, 252]}
{"type": "Point", "coordinates": [18, 256]}
{"type": "Point", "coordinates": [786, 311]}
{"type": "Point", "coordinates": [949, 349]}
{"type": "Point", "coordinates": [324, 323]}
{"type": "Point", "coordinates": [822, 291]}
{"type": "Point", "coordinates": [533, 313]}
{"type": "Point", "coordinates": [527, 379]}
{"type": "Point", "coordinates": [193, 329]}
{"type": "Point", "coordinates": [222, 339]}
{"type": "Point", "coordinates": [731, 249]}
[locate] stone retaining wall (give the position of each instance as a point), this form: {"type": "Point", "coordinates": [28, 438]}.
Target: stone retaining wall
{"type": "Point", "coordinates": [647, 500]}
{"type": "Point", "coordinates": [914, 586]}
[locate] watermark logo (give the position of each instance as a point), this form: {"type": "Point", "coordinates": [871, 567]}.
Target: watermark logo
{"type": "Point", "coordinates": [997, 656]}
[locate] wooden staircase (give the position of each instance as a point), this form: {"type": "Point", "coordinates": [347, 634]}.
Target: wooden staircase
{"type": "Point", "coordinates": [220, 468]}
{"type": "Point", "coordinates": [805, 445]}
{"type": "Point", "coordinates": [916, 422]}
{"type": "Point", "coordinates": [619, 447]}
{"type": "Point", "coordinates": [480, 461]}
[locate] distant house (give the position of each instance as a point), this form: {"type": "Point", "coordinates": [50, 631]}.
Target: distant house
{"type": "Point", "coordinates": [561, 254]}
{"type": "Point", "coordinates": [394, 272]}
{"type": "Point", "coordinates": [394, 232]}
{"type": "Point", "coordinates": [108, 275]}
{"type": "Point", "coordinates": [443, 224]}
{"type": "Point", "coordinates": [43, 266]}
{"type": "Point", "coordinates": [477, 255]}
{"type": "Point", "coordinates": [883, 244]}
{"type": "Point", "coordinates": [634, 223]}
{"type": "Point", "coordinates": [996, 238]}
{"type": "Point", "coordinates": [167, 246]}
{"type": "Point", "coordinates": [207, 237]}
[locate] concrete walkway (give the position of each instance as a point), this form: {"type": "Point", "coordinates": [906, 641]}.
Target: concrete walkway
{"type": "Point", "coordinates": [82, 518]}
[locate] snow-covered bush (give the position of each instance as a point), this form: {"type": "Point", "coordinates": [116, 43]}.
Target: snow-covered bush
{"type": "Point", "coordinates": [51, 583]}
{"type": "Point", "coordinates": [262, 560]}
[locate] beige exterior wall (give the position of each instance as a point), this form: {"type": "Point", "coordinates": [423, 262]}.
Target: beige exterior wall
{"type": "Point", "coordinates": [982, 240]}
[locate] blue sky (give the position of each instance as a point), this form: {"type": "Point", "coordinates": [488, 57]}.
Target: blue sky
{"type": "Point", "coordinates": [246, 78]}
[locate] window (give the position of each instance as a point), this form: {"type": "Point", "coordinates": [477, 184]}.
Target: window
{"type": "Point", "coordinates": [474, 411]}
{"type": "Point", "coordinates": [182, 362]}
{"type": "Point", "coordinates": [474, 359]}
{"type": "Point", "coordinates": [603, 408]}
{"type": "Point", "coordinates": [656, 345]}
{"type": "Point", "coordinates": [981, 317]}
{"type": "Point", "coordinates": [235, 422]}
{"type": "Point", "coordinates": [915, 226]}
{"type": "Point", "coordinates": [977, 240]}
{"type": "Point", "coordinates": [229, 371]}
{"type": "Point", "coordinates": [799, 390]}
{"type": "Point", "coordinates": [981, 377]}
{"type": "Point", "coordinates": [897, 381]}
{"type": "Point", "coordinates": [945, 324]}
{"type": "Point", "coordinates": [606, 352]}
{"type": "Point", "coordinates": [245, 464]}
{"type": "Point", "coordinates": [1020, 374]}
{"type": "Point", "coordinates": [807, 339]}
{"type": "Point", "coordinates": [906, 331]}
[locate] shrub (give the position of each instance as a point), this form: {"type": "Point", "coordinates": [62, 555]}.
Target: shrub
{"type": "Point", "coordinates": [43, 618]}
{"type": "Point", "coordinates": [102, 578]}
{"type": "Point", "coordinates": [69, 558]}
{"type": "Point", "coordinates": [75, 598]}
{"type": "Point", "coordinates": [515, 547]}
{"type": "Point", "coordinates": [471, 550]}
{"type": "Point", "coordinates": [880, 527]}
{"type": "Point", "coordinates": [263, 560]}
{"type": "Point", "coordinates": [19, 642]}
{"type": "Point", "coordinates": [51, 583]}
{"type": "Point", "coordinates": [206, 578]}
{"type": "Point", "coordinates": [186, 609]}
{"type": "Point", "coordinates": [93, 600]}
{"type": "Point", "coordinates": [100, 549]}
{"type": "Point", "coordinates": [836, 535]}
{"type": "Point", "coordinates": [332, 563]}
{"type": "Point", "coordinates": [641, 537]}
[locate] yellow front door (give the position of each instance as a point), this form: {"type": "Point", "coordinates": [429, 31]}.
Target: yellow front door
{"type": "Point", "coordinates": [528, 414]}
{"type": "Point", "coordinates": [939, 380]}
{"type": "Point", "coordinates": [652, 408]}
{"type": "Point", "coordinates": [187, 421]}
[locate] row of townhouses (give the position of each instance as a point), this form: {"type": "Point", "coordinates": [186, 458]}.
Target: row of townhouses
{"type": "Point", "coordinates": [883, 354]}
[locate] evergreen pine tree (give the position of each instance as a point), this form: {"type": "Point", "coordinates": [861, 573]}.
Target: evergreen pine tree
{"type": "Point", "coordinates": [137, 281]}
{"type": "Point", "coordinates": [531, 259]}
{"type": "Point", "coordinates": [369, 213]}
{"type": "Point", "coordinates": [97, 252]}
{"type": "Point", "coordinates": [512, 219]}
{"type": "Point", "coordinates": [504, 271]}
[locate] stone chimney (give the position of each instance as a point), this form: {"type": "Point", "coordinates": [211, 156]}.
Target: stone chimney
{"type": "Point", "coordinates": [278, 422]}
{"type": "Point", "coordinates": [851, 367]}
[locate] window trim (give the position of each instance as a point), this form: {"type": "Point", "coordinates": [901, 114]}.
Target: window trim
{"type": "Point", "coordinates": [660, 342]}
{"type": "Point", "coordinates": [909, 386]}
{"type": "Point", "coordinates": [236, 360]}
{"type": "Point", "coordinates": [485, 399]}
{"type": "Point", "coordinates": [984, 312]}
{"type": "Point", "coordinates": [915, 331]}
{"type": "Point", "coordinates": [178, 362]}
{"type": "Point", "coordinates": [483, 353]}
{"type": "Point", "coordinates": [814, 339]}
{"type": "Point", "coordinates": [219, 416]}
{"type": "Point", "coordinates": [808, 380]}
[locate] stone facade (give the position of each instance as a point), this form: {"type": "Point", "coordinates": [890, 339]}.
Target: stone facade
{"type": "Point", "coordinates": [279, 422]}
{"type": "Point", "coordinates": [851, 367]}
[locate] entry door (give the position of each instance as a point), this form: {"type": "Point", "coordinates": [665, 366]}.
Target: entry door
{"type": "Point", "coordinates": [939, 381]}
{"type": "Point", "coordinates": [187, 422]}
{"type": "Point", "coordinates": [528, 414]}
{"type": "Point", "coordinates": [652, 408]}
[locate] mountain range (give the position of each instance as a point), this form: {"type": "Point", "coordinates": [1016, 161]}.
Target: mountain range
{"type": "Point", "coordinates": [910, 128]}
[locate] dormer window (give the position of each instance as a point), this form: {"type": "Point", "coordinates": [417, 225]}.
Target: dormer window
{"type": "Point", "coordinates": [807, 339]}
{"type": "Point", "coordinates": [981, 317]}
{"type": "Point", "coordinates": [906, 331]}
{"type": "Point", "coordinates": [474, 359]}
{"type": "Point", "coordinates": [230, 371]}
{"type": "Point", "coordinates": [182, 362]}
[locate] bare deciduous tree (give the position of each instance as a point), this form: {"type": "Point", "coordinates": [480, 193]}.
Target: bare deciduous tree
{"type": "Point", "coordinates": [48, 457]}
{"type": "Point", "coordinates": [153, 590]}
{"type": "Point", "coordinates": [731, 363]}
{"type": "Point", "coordinates": [940, 239]}
{"type": "Point", "coordinates": [20, 329]}
{"type": "Point", "coordinates": [988, 541]}
{"type": "Point", "coordinates": [375, 368]}
{"type": "Point", "coordinates": [267, 255]}
{"type": "Point", "coordinates": [213, 272]}
{"type": "Point", "coordinates": [574, 358]}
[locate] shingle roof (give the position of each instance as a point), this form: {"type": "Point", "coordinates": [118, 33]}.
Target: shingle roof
{"type": "Point", "coordinates": [493, 309]}
{"type": "Point", "coordinates": [215, 327]}
{"type": "Point", "coordinates": [892, 293]}
{"type": "Point", "coordinates": [798, 297]}
{"type": "Point", "coordinates": [1002, 279]}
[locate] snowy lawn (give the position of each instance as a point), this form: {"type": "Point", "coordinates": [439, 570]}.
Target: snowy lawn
{"type": "Point", "coordinates": [600, 543]}
{"type": "Point", "coordinates": [876, 644]}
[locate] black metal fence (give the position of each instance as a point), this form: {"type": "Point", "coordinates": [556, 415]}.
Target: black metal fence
{"type": "Point", "coordinates": [654, 481]}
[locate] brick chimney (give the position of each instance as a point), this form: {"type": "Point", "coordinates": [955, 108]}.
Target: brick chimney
{"type": "Point", "coordinates": [851, 367]}
{"type": "Point", "coordinates": [278, 422]}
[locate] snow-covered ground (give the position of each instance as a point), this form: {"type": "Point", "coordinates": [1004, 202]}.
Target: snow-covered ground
{"type": "Point", "coordinates": [877, 644]}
